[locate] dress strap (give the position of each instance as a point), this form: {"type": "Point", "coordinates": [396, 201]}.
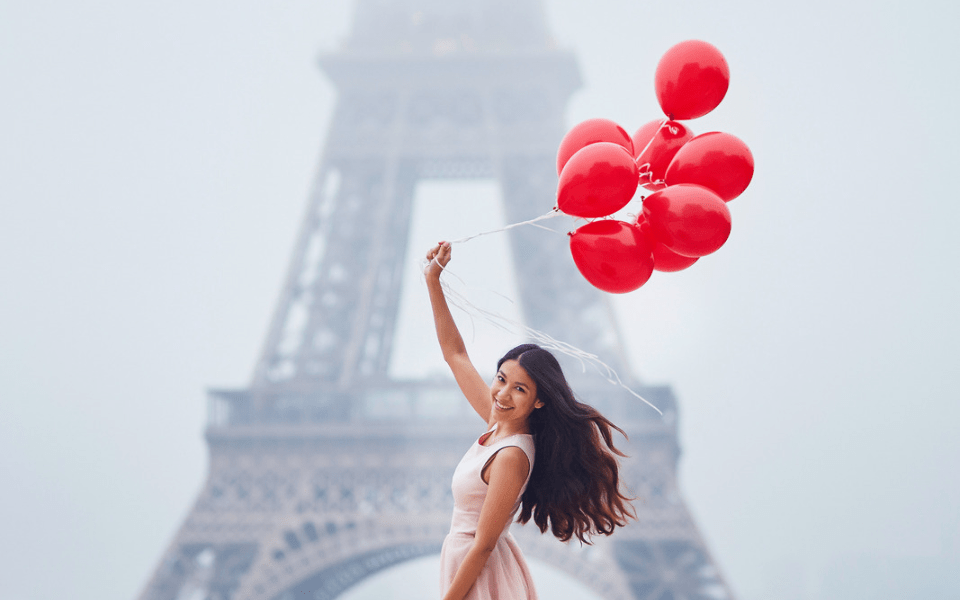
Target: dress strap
{"type": "Point", "coordinates": [522, 441]}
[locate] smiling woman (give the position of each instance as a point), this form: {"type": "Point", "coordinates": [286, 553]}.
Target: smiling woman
{"type": "Point", "coordinates": [543, 454]}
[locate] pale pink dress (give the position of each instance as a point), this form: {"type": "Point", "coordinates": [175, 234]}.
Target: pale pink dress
{"type": "Point", "coordinates": [506, 575]}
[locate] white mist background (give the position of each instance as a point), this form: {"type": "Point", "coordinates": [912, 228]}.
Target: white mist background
{"type": "Point", "coordinates": [155, 161]}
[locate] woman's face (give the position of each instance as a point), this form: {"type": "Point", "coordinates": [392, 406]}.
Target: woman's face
{"type": "Point", "coordinates": [514, 394]}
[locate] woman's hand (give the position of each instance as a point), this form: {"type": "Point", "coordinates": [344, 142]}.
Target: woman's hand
{"type": "Point", "coordinates": [438, 256]}
{"type": "Point", "coordinates": [507, 473]}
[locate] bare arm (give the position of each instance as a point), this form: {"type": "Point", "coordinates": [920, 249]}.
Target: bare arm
{"type": "Point", "coordinates": [507, 473]}
{"type": "Point", "coordinates": [451, 342]}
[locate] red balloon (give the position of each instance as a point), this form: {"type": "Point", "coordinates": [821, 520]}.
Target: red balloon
{"type": "Point", "coordinates": [612, 255]}
{"type": "Point", "coordinates": [688, 219]}
{"type": "Point", "coordinates": [691, 80]}
{"type": "Point", "coordinates": [654, 145]}
{"type": "Point", "coordinates": [715, 160]}
{"type": "Point", "coordinates": [597, 181]}
{"type": "Point", "coordinates": [589, 132]}
{"type": "Point", "coordinates": [664, 259]}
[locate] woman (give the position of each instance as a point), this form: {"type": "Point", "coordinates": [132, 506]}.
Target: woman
{"type": "Point", "coordinates": [542, 454]}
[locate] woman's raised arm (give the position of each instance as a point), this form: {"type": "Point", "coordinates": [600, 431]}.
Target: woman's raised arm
{"type": "Point", "coordinates": [451, 342]}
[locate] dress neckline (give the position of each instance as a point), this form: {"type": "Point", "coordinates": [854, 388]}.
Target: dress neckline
{"type": "Point", "coordinates": [486, 437]}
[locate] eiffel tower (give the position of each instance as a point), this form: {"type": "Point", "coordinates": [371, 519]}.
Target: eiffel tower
{"type": "Point", "coordinates": [326, 470]}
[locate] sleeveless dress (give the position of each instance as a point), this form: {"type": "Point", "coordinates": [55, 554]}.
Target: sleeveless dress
{"type": "Point", "coordinates": [506, 575]}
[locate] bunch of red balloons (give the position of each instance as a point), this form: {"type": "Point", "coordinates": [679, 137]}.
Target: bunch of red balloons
{"type": "Point", "coordinates": [691, 177]}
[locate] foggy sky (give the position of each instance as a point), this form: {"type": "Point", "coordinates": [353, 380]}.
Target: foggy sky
{"type": "Point", "coordinates": [154, 165]}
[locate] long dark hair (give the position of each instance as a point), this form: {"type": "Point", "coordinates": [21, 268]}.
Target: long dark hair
{"type": "Point", "coordinates": [575, 485]}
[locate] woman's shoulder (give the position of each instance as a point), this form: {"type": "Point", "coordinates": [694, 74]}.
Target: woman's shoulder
{"type": "Point", "coordinates": [510, 457]}
{"type": "Point", "coordinates": [523, 441]}
{"type": "Point", "coordinates": [514, 455]}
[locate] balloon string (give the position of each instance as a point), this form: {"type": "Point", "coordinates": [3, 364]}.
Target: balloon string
{"type": "Point", "coordinates": [645, 167]}
{"type": "Point", "coordinates": [544, 340]}
{"type": "Point", "coordinates": [653, 181]}
{"type": "Point", "coordinates": [509, 326]}
{"type": "Point", "coordinates": [555, 212]}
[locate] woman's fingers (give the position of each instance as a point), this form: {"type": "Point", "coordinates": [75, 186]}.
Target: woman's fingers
{"type": "Point", "coordinates": [439, 254]}
{"type": "Point", "coordinates": [443, 256]}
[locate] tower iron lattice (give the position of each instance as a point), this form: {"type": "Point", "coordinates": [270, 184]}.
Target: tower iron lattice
{"type": "Point", "coordinates": [326, 470]}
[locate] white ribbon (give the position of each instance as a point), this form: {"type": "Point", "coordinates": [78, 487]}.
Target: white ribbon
{"type": "Point", "coordinates": [542, 339]}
